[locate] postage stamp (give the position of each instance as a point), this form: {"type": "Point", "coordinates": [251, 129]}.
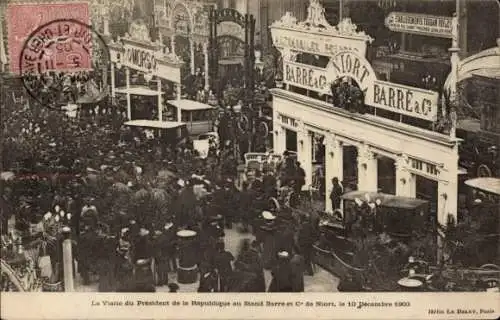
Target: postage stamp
{"type": "Point", "coordinates": [22, 19]}
{"type": "Point", "coordinates": [61, 61]}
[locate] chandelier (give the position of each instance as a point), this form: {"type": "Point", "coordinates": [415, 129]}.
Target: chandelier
{"type": "Point", "coordinates": [386, 4]}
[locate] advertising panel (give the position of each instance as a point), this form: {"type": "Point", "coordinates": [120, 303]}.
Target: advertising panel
{"type": "Point", "coordinates": [427, 25]}
{"type": "Point", "coordinates": [405, 100]}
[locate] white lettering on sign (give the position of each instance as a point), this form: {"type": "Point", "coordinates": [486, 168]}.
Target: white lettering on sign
{"type": "Point", "coordinates": [140, 58]}
{"type": "Point", "coordinates": [349, 64]}
{"type": "Point", "coordinates": [307, 77]}
{"type": "Point", "coordinates": [410, 101]}
{"type": "Point", "coordinates": [422, 24]}
{"type": "Point", "coordinates": [316, 43]}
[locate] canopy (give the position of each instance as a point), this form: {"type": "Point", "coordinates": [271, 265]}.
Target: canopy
{"type": "Point", "coordinates": [387, 200]}
{"type": "Point", "coordinates": [485, 63]}
{"type": "Point", "coordinates": [138, 90]}
{"type": "Point", "coordinates": [490, 185]}
{"type": "Point", "coordinates": [154, 124]}
{"type": "Point", "coordinates": [190, 105]}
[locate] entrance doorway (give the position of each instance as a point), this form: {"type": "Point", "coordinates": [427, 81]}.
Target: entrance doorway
{"type": "Point", "coordinates": [350, 168]}
{"type": "Point", "coordinates": [427, 189]}
{"type": "Point", "coordinates": [291, 140]}
{"type": "Point", "coordinates": [386, 179]}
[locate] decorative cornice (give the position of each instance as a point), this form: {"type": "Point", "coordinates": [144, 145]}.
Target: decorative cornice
{"type": "Point", "coordinates": [316, 22]}
{"type": "Point", "coordinates": [408, 130]}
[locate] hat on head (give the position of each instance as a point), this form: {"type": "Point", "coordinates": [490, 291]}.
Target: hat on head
{"type": "Point", "coordinates": [68, 216]}
{"type": "Point", "coordinates": [268, 215]}
{"type": "Point", "coordinates": [478, 200]}
{"type": "Point", "coordinates": [283, 254]}
{"type": "Point", "coordinates": [378, 202]}
{"type": "Point", "coordinates": [47, 216]}
{"type": "Point", "coordinates": [143, 232]}
{"type": "Point", "coordinates": [142, 262]}
{"type": "Point", "coordinates": [130, 184]}
{"type": "Point", "coordinates": [358, 201]}
{"type": "Point", "coordinates": [57, 208]}
{"type": "Point", "coordinates": [62, 213]}
{"type": "Point", "coordinates": [168, 225]}
{"type": "Point", "coordinates": [181, 183]}
{"type": "Point", "coordinates": [367, 197]}
{"type": "Point", "coordinates": [124, 230]}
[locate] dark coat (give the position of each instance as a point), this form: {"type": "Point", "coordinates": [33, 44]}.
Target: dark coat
{"type": "Point", "coordinates": [298, 267]}
{"type": "Point", "coordinates": [143, 248]}
{"type": "Point", "coordinates": [282, 278]}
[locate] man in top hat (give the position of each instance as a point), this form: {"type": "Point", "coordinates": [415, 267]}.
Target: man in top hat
{"type": "Point", "coordinates": [269, 238]}
{"type": "Point", "coordinates": [166, 253]}
{"type": "Point", "coordinates": [223, 260]}
{"type": "Point", "coordinates": [142, 246]}
{"type": "Point", "coordinates": [143, 280]}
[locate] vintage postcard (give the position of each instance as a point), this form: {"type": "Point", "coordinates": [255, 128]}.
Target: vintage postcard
{"type": "Point", "coordinates": [270, 159]}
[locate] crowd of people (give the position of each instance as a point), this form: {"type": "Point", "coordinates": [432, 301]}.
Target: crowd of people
{"type": "Point", "coordinates": [125, 196]}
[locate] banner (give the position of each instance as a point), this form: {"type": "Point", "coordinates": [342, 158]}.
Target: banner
{"type": "Point", "coordinates": [202, 146]}
{"type": "Point", "coordinates": [422, 24]}
{"type": "Point", "coordinates": [405, 100]}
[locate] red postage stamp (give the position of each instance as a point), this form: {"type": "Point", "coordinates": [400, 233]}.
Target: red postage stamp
{"type": "Point", "coordinates": [25, 19]}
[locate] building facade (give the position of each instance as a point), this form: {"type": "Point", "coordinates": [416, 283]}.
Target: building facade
{"type": "Point", "coordinates": [355, 144]}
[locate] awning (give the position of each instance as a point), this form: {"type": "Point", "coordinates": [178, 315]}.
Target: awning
{"type": "Point", "coordinates": [470, 125]}
{"type": "Point", "coordinates": [490, 185]}
{"type": "Point", "coordinates": [190, 105]}
{"type": "Point", "coordinates": [154, 124]}
{"type": "Point", "coordinates": [138, 90]}
{"type": "Point", "coordinates": [480, 62]}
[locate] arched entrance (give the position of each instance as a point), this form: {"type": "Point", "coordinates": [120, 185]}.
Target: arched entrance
{"type": "Point", "coordinates": [181, 24]}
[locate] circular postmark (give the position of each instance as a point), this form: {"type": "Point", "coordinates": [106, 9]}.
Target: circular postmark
{"type": "Point", "coordinates": [64, 62]}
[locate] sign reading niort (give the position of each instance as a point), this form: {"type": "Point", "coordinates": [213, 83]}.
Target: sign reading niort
{"type": "Point", "coordinates": [422, 24]}
{"type": "Point", "coordinates": [410, 101]}
{"type": "Point", "coordinates": [140, 58]}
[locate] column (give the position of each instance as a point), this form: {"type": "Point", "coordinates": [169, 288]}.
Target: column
{"type": "Point", "coordinates": [205, 55]}
{"type": "Point", "coordinates": [447, 194]}
{"type": "Point", "coordinates": [334, 165]}
{"type": "Point", "coordinates": [367, 170]}
{"type": "Point", "coordinates": [403, 177]}
{"type": "Point", "coordinates": [279, 139]}
{"type": "Point", "coordinates": [113, 92]}
{"type": "Point", "coordinates": [172, 44]}
{"type": "Point", "coordinates": [67, 247]}
{"type": "Point", "coordinates": [304, 146]}
{"type": "Point", "coordinates": [191, 49]}
{"type": "Point", "coordinates": [179, 91]}
{"type": "Point", "coordinates": [129, 107]}
{"type": "Point", "coordinates": [160, 104]}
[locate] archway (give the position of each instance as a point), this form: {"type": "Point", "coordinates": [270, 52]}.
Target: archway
{"type": "Point", "coordinates": [181, 24]}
